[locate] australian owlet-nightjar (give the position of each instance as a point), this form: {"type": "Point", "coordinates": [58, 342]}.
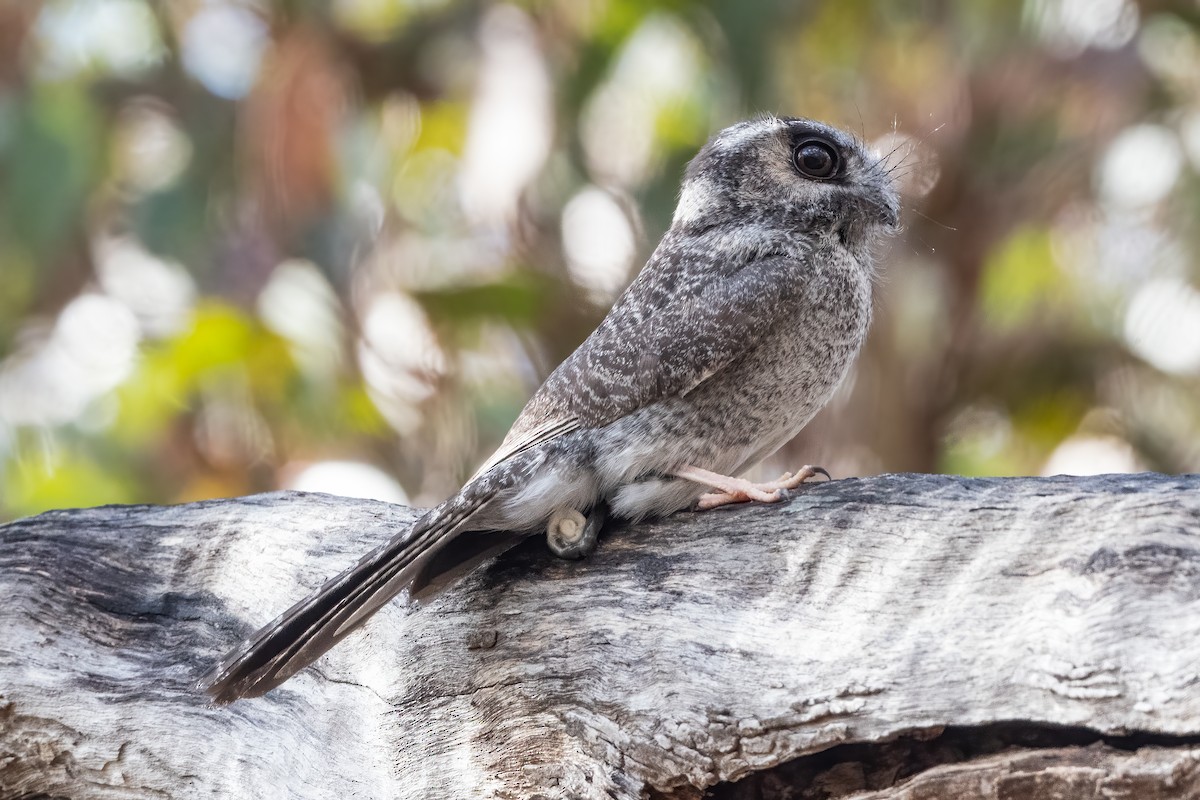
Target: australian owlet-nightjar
{"type": "Point", "coordinates": [740, 327]}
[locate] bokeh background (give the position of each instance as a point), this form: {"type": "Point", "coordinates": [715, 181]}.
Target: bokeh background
{"type": "Point", "coordinates": [248, 245]}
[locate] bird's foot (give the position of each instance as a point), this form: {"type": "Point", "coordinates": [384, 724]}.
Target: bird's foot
{"type": "Point", "coordinates": [740, 490]}
{"type": "Point", "coordinates": [570, 534]}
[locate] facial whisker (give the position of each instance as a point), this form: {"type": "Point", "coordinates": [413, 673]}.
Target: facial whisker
{"type": "Point", "coordinates": [934, 221]}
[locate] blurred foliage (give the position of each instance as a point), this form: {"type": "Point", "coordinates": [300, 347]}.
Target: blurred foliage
{"type": "Point", "coordinates": [239, 238]}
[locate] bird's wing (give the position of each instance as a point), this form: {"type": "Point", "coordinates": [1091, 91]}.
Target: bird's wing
{"type": "Point", "coordinates": [664, 337]}
{"type": "Point", "coordinates": [657, 344]}
{"type": "Point", "coordinates": [528, 438]}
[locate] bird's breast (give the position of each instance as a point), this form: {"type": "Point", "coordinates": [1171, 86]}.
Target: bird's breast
{"type": "Point", "coordinates": [796, 367]}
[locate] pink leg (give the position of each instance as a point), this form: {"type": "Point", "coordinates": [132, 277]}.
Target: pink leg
{"type": "Point", "coordinates": [740, 490]}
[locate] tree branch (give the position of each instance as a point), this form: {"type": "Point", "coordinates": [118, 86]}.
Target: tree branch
{"type": "Point", "coordinates": [906, 636]}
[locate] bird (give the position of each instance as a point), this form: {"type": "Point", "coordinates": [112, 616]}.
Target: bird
{"type": "Point", "coordinates": [742, 324]}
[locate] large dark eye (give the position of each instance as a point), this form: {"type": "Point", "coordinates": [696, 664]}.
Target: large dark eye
{"type": "Point", "coordinates": [817, 160]}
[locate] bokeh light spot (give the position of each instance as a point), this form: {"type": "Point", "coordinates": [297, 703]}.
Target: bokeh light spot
{"type": "Point", "coordinates": [299, 304]}
{"type": "Point", "coordinates": [151, 151]}
{"type": "Point", "coordinates": [223, 46]}
{"type": "Point", "coordinates": [598, 241]}
{"type": "Point", "coordinates": [511, 122]}
{"type": "Point", "coordinates": [1141, 166]}
{"type": "Point", "coordinates": [160, 293]}
{"type": "Point", "coordinates": [1162, 325]}
{"type": "Point", "coordinates": [1070, 26]}
{"type": "Point", "coordinates": [115, 36]}
{"type": "Point", "coordinates": [348, 479]}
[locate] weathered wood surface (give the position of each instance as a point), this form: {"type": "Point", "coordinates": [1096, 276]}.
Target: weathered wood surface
{"type": "Point", "coordinates": [893, 637]}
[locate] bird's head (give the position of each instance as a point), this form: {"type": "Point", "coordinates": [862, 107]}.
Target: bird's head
{"type": "Point", "coordinates": [792, 171]}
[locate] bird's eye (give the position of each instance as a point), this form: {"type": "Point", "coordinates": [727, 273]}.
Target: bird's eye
{"type": "Point", "coordinates": [817, 160]}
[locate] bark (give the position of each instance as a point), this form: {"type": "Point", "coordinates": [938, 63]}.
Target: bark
{"type": "Point", "coordinates": [905, 636]}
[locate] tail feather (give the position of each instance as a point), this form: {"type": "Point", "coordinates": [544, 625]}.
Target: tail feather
{"type": "Point", "coordinates": [312, 626]}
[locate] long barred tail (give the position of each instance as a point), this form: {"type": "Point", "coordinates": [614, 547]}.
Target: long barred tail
{"type": "Point", "coordinates": [420, 560]}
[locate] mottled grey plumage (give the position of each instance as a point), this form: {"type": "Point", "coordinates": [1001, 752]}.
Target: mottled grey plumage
{"type": "Point", "coordinates": [739, 329]}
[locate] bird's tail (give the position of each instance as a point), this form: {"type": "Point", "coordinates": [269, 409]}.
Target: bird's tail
{"type": "Point", "coordinates": [419, 560]}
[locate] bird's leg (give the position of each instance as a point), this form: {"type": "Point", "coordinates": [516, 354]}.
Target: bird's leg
{"type": "Point", "coordinates": [740, 490]}
{"type": "Point", "coordinates": [570, 534]}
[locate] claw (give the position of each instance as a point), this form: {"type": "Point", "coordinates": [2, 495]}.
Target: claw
{"type": "Point", "coordinates": [570, 534]}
